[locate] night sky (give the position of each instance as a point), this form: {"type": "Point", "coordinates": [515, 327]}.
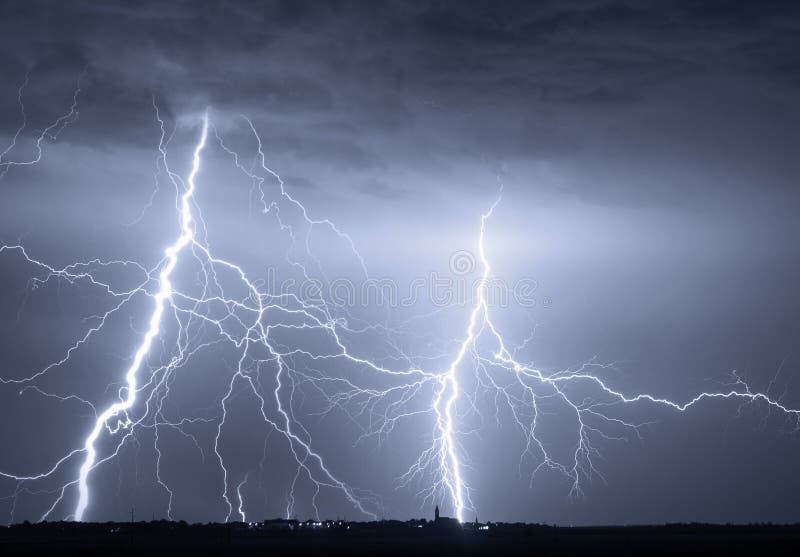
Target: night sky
{"type": "Point", "coordinates": [645, 161]}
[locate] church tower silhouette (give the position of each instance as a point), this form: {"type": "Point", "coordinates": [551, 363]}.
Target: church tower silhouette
{"type": "Point", "coordinates": [436, 514]}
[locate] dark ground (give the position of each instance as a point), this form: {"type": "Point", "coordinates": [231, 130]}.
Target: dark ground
{"type": "Point", "coordinates": [395, 538]}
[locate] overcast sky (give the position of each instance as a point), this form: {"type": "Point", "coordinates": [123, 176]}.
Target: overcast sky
{"type": "Point", "coordinates": [648, 160]}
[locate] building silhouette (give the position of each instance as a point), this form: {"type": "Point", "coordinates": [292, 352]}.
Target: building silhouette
{"type": "Point", "coordinates": [444, 522]}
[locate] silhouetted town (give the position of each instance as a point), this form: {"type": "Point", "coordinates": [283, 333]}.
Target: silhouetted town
{"type": "Point", "coordinates": [440, 536]}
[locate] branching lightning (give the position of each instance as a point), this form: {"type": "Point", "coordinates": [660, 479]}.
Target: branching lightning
{"type": "Point", "coordinates": [49, 132]}
{"type": "Point", "coordinates": [226, 306]}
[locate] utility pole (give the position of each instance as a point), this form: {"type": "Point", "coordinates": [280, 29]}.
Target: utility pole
{"type": "Point", "coordinates": [133, 510]}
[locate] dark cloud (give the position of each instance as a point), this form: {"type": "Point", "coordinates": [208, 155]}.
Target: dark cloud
{"type": "Point", "coordinates": [347, 64]}
{"type": "Point", "coordinates": [381, 190]}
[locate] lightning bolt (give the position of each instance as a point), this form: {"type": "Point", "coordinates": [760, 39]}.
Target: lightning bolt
{"type": "Point", "coordinates": [447, 394]}
{"type": "Point", "coordinates": [160, 298]}
{"type": "Point", "coordinates": [117, 417]}
{"type": "Point", "coordinates": [227, 306]}
{"type": "Point", "coordinates": [535, 385]}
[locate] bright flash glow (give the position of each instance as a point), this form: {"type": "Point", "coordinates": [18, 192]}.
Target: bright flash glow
{"type": "Point", "coordinates": [227, 306]}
